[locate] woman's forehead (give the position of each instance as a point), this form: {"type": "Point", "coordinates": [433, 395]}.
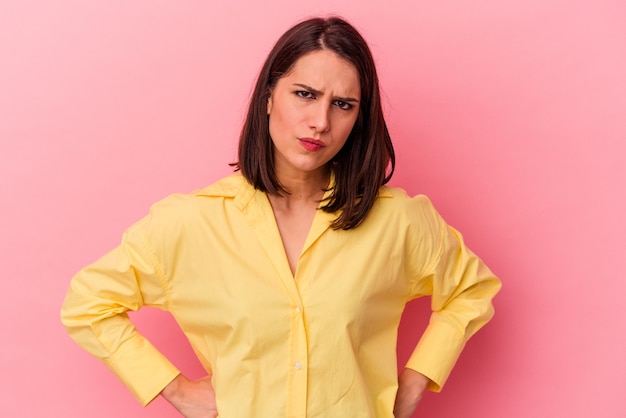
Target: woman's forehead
{"type": "Point", "coordinates": [323, 69]}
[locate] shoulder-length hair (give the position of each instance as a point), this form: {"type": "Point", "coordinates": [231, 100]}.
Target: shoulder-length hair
{"type": "Point", "coordinates": [367, 159]}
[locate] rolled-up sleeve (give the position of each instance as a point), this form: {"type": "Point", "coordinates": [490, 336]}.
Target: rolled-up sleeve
{"type": "Point", "coordinates": [95, 313]}
{"type": "Point", "coordinates": [461, 287]}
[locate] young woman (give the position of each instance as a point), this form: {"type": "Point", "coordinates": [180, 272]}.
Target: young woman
{"type": "Point", "coordinates": [290, 276]}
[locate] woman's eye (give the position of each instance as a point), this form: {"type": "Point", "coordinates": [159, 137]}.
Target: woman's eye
{"type": "Point", "coordinates": [343, 105]}
{"type": "Point", "coordinates": [305, 94]}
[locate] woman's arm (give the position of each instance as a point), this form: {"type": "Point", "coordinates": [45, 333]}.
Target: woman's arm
{"type": "Point", "coordinates": [461, 287]}
{"type": "Point", "coordinates": [95, 314]}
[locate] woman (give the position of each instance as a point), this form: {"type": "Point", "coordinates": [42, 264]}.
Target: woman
{"type": "Point", "coordinates": [290, 277]}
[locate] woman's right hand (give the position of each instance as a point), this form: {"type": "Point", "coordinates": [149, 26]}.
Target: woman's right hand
{"type": "Point", "coordinates": [192, 398]}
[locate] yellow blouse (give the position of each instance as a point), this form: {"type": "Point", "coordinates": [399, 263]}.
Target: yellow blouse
{"type": "Point", "coordinates": [321, 343]}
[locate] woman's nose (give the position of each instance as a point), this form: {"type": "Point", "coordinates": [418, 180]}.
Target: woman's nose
{"type": "Point", "coordinates": [319, 119]}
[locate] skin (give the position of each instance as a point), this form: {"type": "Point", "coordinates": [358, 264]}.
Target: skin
{"type": "Point", "coordinates": [317, 100]}
{"type": "Point", "coordinates": [192, 398]}
{"type": "Point", "coordinates": [411, 387]}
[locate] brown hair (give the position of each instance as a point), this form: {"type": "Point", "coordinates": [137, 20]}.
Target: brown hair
{"type": "Point", "coordinates": [367, 159]}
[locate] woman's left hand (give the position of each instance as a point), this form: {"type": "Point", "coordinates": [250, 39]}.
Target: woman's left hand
{"type": "Point", "coordinates": [411, 388]}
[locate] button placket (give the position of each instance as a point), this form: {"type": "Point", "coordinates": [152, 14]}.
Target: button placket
{"type": "Point", "coordinates": [298, 361]}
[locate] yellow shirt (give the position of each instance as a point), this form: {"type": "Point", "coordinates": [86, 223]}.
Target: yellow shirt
{"type": "Point", "coordinates": [321, 343]}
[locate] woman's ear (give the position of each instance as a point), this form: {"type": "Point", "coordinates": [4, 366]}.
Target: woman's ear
{"type": "Point", "coordinates": [269, 104]}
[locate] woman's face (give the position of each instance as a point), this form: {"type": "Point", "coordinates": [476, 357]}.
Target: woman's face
{"type": "Point", "coordinates": [311, 112]}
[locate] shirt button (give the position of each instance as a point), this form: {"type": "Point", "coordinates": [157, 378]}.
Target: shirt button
{"type": "Point", "coordinates": [298, 365]}
{"type": "Point", "coordinates": [298, 309]}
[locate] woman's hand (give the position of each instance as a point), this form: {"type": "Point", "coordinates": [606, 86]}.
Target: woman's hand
{"type": "Point", "coordinates": [193, 399]}
{"type": "Point", "coordinates": [411, 388]}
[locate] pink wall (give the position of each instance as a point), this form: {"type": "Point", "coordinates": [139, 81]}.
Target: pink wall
{"type": "Point", "coordinates": [510, 115]}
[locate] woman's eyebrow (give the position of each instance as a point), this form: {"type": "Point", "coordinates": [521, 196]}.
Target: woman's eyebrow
{"type": "Point", "coordinates": [319, 92]}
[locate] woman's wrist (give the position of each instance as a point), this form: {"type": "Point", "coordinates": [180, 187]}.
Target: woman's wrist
{"type": "Point", "coordinates": [414, 381]}
{"type": "Point", "coordinates": [171, 391]}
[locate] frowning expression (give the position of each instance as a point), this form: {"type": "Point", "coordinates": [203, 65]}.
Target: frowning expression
{"type": "Point", "coordinates": [312, 110]}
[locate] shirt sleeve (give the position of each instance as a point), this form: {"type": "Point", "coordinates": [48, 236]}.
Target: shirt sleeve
{"type": "Point", "coordinates": [461, 287]}
{"type": "Point", "coordinates": [95, 313]}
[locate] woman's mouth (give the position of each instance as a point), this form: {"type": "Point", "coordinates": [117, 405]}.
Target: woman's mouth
{"type": "Point", "coordinates": [311, 144]}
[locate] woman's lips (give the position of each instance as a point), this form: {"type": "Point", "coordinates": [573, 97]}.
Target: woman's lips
{"type": "Point", "coordinates": [311, 144]}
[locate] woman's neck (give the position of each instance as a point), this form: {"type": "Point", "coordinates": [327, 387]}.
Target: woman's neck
{"type": "Point", "coordinates": [304, 186]}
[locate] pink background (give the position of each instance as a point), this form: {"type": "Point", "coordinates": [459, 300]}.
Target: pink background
{"type": "Point", "coordinates": [510, 115]}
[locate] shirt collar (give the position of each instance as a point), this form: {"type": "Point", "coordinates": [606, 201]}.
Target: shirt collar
{"type": "Point", "coordinates": [237, 187]}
